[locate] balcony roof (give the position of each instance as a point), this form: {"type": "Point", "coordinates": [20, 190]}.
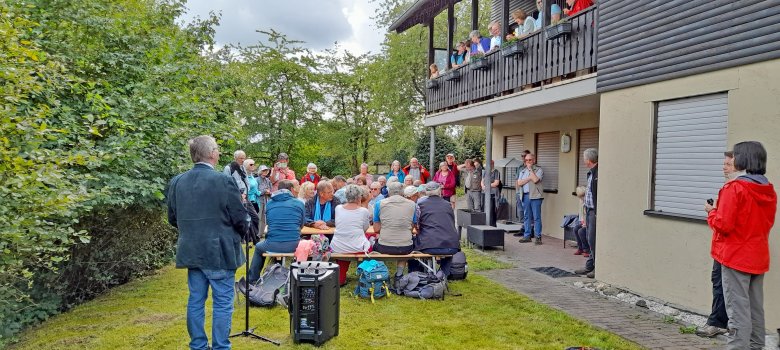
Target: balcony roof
{"type": "Point", "coordinates": [421, 12]}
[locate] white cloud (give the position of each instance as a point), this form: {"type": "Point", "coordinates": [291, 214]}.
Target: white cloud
{"type": "Point", "coordinates": [319, 23]}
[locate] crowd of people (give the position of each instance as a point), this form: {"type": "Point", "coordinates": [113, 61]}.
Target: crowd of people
{"type": "Point", "coordinates": [526, 24]}
{"type": "Point", "coordinates": [411, 210]}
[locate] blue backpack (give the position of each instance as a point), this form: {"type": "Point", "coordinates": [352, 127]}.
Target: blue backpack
{"type": "Point", "coordinates": [372, 282]}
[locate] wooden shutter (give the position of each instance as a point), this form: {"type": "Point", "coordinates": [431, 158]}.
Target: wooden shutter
{"type": "Point", "coordinates": [513, 147]}
{"type": "Point", "coordinates": [690, 141]}
{"type": "Point", "coordinates": [529, 6]}
{"type": "Point", "coordinates": [547, 150]}
{"type": "Point", "coordinates": [586, 138]}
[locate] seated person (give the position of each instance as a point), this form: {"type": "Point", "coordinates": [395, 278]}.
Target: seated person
{"type": "Point", "coordinates": [321, 210]}
{"type": "Point", "coordinates": [580, 232]}
{"type": "Point", "coordinates": [284, 216]}
{"type": "Point", "coordinates": [351, 226]}
{"type": "Point", "coordinates": [408, 181]}
{"type": "Point", "coordinates": [410, 192]}
{"type": "Point", "coordinates": [393, 220]}
{"type": "Point", "coordinates": [478, 43]}
{"type": "Point", "coordinates": [436, 232]}
{"type": "Point", "coordinates": [575, 6]}
{"type": "Point", "coordinates": [338, 184]}
{"type": "Point", "coordinates": [525, 25]}
{"type": "Point", "coordinates": [459, 57]}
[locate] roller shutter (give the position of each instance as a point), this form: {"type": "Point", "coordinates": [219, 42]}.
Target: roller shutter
{"type": "Point", "coordinates": [513, 147]}
{"type": "Point", "coordinates": [529, 6]}
{"type": "Point", "coordinates": [690, 141]}
{"type": "Point", "coordinates": [547, 150]}
{"type": "Point", "coordinates": [587, 138]}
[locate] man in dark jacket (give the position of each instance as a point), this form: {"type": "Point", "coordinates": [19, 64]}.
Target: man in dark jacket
{"type": "Point", "coordinates": [205, 206]}
{"type": "Point", "coordinates": [436, 232]}
{"type": "Point", "coordinates": [321, 210]}
{"type": "Point", "coordinates": [591, 159]}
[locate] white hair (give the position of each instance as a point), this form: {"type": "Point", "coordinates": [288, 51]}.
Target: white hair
{"type": "Point", "coordinates": [201, 148]}
{"type": "Point", "coordinates": [238, 154]}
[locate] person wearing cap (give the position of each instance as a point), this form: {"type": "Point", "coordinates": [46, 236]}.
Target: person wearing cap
{"type": "Point", "coordinates": [453, 166]}
{"type": "Point", "coordinates": [311, 175]}
{"type": "Point", "coordinates": [555, 14]}
{"type": "Point", "coordinates": [410, 193]}
{"type": "Point", "coordinates": [281, 171]}
{"type": "Point", "coordinates": [575, 6]}
{"type": "Point", "coordinates": [236, 170]}
{"type": "Point", "coordinates": [436, 232]}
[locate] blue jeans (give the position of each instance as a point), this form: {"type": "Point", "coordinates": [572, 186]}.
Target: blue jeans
{"type": "Point", "coordinates": [221, 282]}
{"type": "Point", "coordinates": [532, 208]}
{"type": "Point", "coordinates": [258, 261]}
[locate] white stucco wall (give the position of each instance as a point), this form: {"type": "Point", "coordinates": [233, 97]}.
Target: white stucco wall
{"type": "Point", "coordinates": [662, 257]}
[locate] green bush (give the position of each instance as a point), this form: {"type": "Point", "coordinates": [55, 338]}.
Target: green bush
{"type": "Point", "coordinates": [99, 100]}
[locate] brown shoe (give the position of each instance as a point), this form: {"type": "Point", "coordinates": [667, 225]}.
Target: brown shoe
{"type": "Point", "coordinates": [591, 274]}
{"type": "Point", "coordinates": [710, 331]}
{"type": "Point", "coordinates": [578, 252]}
{"type": "Point", "coordinates": [525, 240]}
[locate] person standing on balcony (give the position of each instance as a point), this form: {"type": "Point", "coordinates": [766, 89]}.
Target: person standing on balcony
{"type": "Point", "coordinates": [529, 180]}
{"type": "Point", "coordinates": [591, 159]}
{"type": "Point", "coordinates": [525, 25]}
{"type": "Point", "coordinates": [416, 171]}
{"type": "Point", "coordinates": [473, 182]}
{"type": "Point", "coordinates": [495, 32]}
{"type": "Point", "coordinates": [741, 220]}
{"type": "Point", "coordinates": [575, 6]}
{"type": "Point", "coordinates": [459, 58]}
{"type": "Point", "coordinates": [478, 43]}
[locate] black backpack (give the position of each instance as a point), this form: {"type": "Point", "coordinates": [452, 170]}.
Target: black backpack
{"type": "Point", "coordinates": [459, 268]}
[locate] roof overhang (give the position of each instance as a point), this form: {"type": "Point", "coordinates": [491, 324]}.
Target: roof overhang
{"type": "Point", "coordinates": [421, 12]}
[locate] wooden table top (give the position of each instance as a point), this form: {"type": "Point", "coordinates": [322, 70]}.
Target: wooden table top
{"type": "Point", "coordinates": [314, 231]}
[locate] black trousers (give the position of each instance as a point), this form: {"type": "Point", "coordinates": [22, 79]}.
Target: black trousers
{"type": "Point", "coordinates": [718, 317]}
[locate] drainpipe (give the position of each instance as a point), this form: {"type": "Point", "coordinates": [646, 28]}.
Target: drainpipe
{"type": "Point", "coordinates": [432, 147]}
{"type": "Point", "coordinates": [488, 158]}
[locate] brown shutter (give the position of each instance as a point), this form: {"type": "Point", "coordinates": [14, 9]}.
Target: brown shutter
{"type": "Point", "coordinates": [587, 138]}
{"type": "Point", "coordinates": [547, 151]}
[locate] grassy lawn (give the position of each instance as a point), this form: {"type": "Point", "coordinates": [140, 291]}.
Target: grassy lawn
{"type": "Point", "coordinates": [149, 313]}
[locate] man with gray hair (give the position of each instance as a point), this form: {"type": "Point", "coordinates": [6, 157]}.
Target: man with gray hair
{"type": "Point", "coordinates": [237, 171]}
{"type": "Point", "coordinates": [205, 206]}
{"type": "Point", "coordinates": [495, 32]}
{"type": "Point", "coordinates": [478, 43]}
{"type": "Point", "coordinates": [436, 232]}
{"type": "Point", "coordinates": [393, 220]}
{"type": "Point", "coordinates": [591, 159]}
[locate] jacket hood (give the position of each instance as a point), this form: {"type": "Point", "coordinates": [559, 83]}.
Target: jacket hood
{"type": "Point", "coordinates": [284, 196]}
{"type": "Point", "coordinates": [760, 188]}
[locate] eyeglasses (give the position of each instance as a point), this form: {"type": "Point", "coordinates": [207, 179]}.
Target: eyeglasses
{"type": "Point", "coordinates": [375, 189]}
{"type": "Point", "coordinates": [251, 164]}
{"type": "Point", "coordinates": [529, 159]}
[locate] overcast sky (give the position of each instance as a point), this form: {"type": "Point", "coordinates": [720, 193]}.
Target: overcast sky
{"type": "Point", "coordinates": [320, 23]}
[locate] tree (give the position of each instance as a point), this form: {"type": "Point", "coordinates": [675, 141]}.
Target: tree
{"type": "Point", "coordinates": [444, 144]}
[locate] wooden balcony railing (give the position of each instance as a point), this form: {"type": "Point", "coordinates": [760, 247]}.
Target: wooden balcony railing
{"type": "Point", "coordinates": [543, 60]}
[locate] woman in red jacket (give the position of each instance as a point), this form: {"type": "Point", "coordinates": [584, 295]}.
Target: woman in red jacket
{"type": "Point", "coordinates": [447, 180]}
{"type": "Point", "coordinates": [740, 222]}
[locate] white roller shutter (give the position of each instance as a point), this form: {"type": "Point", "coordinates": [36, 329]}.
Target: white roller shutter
{"type": "Point", "coordinates": [547, 150]}
{"type": "Point", "coordinates": [690, 141]}
{"type": "Point", "coordinates": [513, 147]}
{"type": "Point", "coordinates": [587, 138]}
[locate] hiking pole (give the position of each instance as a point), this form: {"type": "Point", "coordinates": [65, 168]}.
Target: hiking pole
{"type": "Point", "coordinates": [247, 332]}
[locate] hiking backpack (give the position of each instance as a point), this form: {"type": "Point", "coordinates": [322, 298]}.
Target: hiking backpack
{"type": "Point", "coordinates": [459, 268]}
{"type": "Point", "coordinates": [423, 285]}
{"type": "Point", "coordinates": [372, 280]}
{"type": "Point", "coordinates": [273, 287]}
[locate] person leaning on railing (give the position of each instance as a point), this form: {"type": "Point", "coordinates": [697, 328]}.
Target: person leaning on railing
{"type": "Point", "coordinates": [525, 25]}
{"type": "Point", "coordinates": [479, 43]}
{"type": "Point", "coordinates": [575, 6]}
{"type": "Point", "coordinates": [458, 58]}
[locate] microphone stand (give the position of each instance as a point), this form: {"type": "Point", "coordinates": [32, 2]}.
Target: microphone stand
{"type": "Point", "coordinates": [247, 332]}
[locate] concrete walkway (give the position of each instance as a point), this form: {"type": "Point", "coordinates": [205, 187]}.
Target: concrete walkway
{"type": "Point", "coordinates": [634, 323]}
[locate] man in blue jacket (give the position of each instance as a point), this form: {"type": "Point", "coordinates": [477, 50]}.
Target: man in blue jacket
{"type": "Point", "coordinates": [205, 206]}
{"type": "Point", "coordinates": [285, 215]}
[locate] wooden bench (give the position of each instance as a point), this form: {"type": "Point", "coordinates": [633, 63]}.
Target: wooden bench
{"type": "Point", "coordinates": [426, 259]}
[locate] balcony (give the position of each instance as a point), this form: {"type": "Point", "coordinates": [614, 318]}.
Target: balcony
{"type": "Point", "coordinates": [543, 62]}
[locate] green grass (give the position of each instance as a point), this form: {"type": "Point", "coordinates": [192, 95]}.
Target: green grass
{"type": "Point", "coordinates": [149, 313]}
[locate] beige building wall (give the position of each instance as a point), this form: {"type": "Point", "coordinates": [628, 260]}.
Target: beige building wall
{"type": "Point", "coordinates": [663, 257]}
{"type": "Point", "coordinates": [555, 205]}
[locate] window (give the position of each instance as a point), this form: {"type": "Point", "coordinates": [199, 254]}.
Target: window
{"type": "Point", "coordinates": [586, 138]}
{"type": "Point", "coordinates": [690, 138]}
{"type": "Point", "coordinates": [547, 149]}
{"type": "Point", "coordinates": [513, 147]}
